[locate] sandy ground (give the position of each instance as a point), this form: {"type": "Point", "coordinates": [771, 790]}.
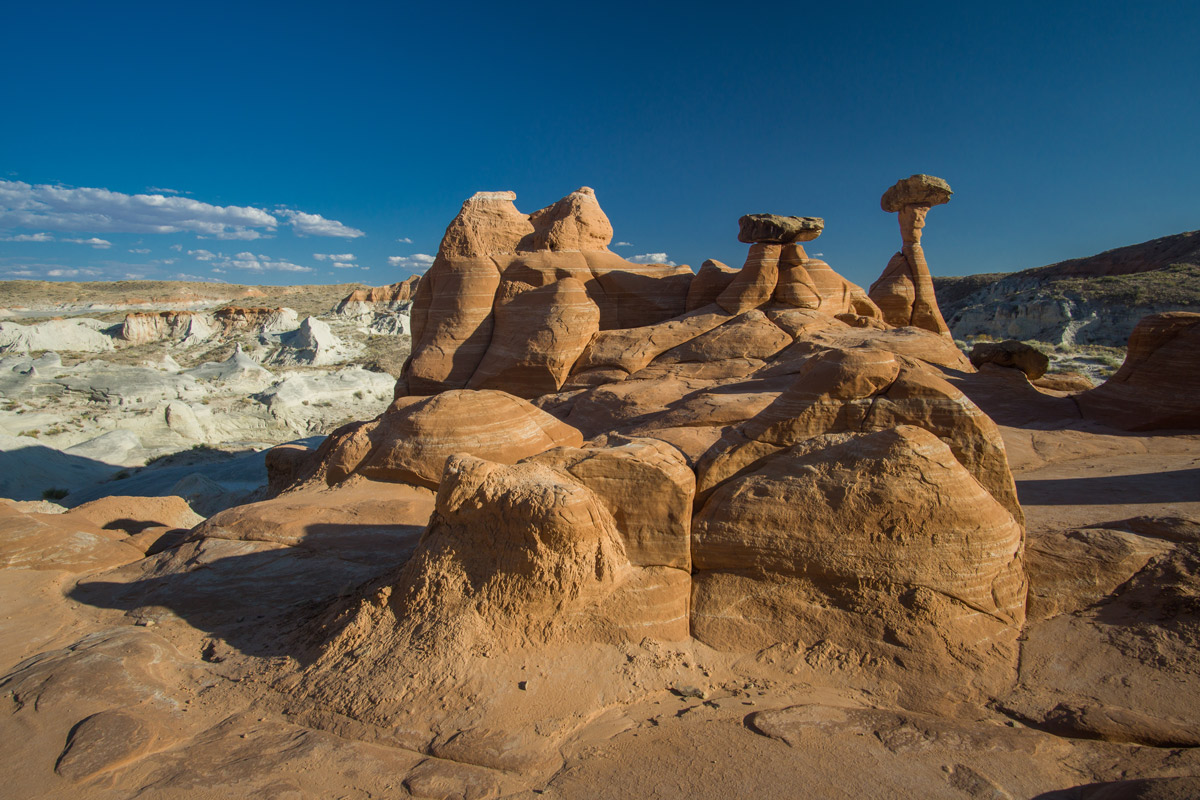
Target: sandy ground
{"type": "Point", "coordinates": [177, 655]}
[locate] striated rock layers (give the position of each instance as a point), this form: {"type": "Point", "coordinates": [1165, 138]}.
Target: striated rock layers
{"type": "Point", "coordinates": [469, 304]}
{"type": "Point", "coordinates": [1158, 386]}
{"type": "Point", "coordinates": [905, 289]}
{"type": "Point", "coordinates": [748, 459]}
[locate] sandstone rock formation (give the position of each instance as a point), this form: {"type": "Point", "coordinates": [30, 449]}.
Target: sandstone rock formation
{"type": "Point", "coordinates": [781, 372]}
{"type": "Point", "coordinates": [651, 505]}
{"type": "Point", "coordinates": [380, 298]}
{"type": "Point", "coordinates": [411, 441]}
{"type": "Point", "coordinates": [1158, 386]}
{"type": "Point", "coordinates": [1011, 353]}
{"type": "Point", "coordinates": [905, 289]}
{"type": "Point", "coordinates": [491, 254]}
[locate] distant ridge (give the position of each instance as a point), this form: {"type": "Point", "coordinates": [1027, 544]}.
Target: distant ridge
{"type": "Point", "coordinates": [1091, 300]}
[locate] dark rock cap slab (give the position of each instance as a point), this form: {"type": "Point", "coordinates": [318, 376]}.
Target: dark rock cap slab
{"type": "Point", "coordinates": [774, 229]}
{"type": "Point", "coordinates": [916, 190]}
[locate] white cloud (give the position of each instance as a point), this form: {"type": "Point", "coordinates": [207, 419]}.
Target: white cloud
{"type": "Point", "coordinates": [817, 255]}
{"type": "Point", "coordinates": [99, 244]}
{"type": "Point", "coordinates": [19, 273]}
{"type": "Point", "coordinates": [243, 235]}
{"type": "Point", "coordinates": [94, 210]}
{"type": "Point", "coordinates": [72, 273]}
{"type": "Point", "coordinates": [184, 276]}
{"type": "Point", "coordinates": [177, 247]}
{"type": "Point", "coordinates": [202, 255]}
{"type": "Point", "coordinates": [316, 225]}
{"type": "Point", "coordinates": [344, 265]}
{"type": "Point", "coordinates": [415, 261]}
{"type": "Point", "coordinates": [260, 263]}
{"type": "Point", "coordinates": [160, 190]}
{"type": "Point", "coordinates": [140, 250]}
{"type": "Point", "coordinates": [653, 258]}
{"type": "Point", "coordinates": [28, 237]}
{"type": "Point", "coordinates": [623, 244]}
{"type": "Point", "coordinates": [405, 240]}
{"type": "Point", "coordinates": [335, 257]}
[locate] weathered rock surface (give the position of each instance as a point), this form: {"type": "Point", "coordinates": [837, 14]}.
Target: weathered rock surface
{"type": "Point", "coordinates": [492, 254]}
{"type": "Point", "coordinates": [904, 292]}
{"type": "Point", "coordinates": [1011, 353]}
{"type": "Point", "coordinates": [414, 437]}
{"type": "Point", "coordinates": [776, 229]}
{"type": "Point", "coordinates": [1158, 386]}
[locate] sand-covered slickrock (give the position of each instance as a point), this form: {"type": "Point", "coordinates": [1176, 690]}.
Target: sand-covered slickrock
{"type": "Point", "coordinates": [134, 514]}
{"type": "Point", "coordinates": [370, 522]}
{"type": "Point", "coordinates": [777, 229]}
{"type": "Point", "coordinates": [1158, 385]}
{"type": "Point", "coordinates": [1010, 353]}
{"type": "Point", "coordinates": [514, 557]}
{"type": "Point", "coordinates": [416, 435]}
{"type": "Point", "coordinates": [904, 291]}
{"type": "Point", "coordinates": [538, 336]}
{"type": "Point", "coordinates": [712, 278]}
{"type": "Point", "coordinates": [59, 542]}
{"type": "Point", "coordinates": [1071, 570]}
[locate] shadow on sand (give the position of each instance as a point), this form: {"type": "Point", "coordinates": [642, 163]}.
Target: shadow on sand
{"type": "Point", "coordinates": [262, 599]}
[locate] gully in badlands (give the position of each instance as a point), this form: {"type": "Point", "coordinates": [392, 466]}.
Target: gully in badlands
{"type": "Point", "coordinates": [605, 529]}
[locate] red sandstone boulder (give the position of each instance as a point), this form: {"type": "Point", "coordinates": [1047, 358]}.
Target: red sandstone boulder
{"type": "Point", "coordinates": [412, 440]}
{"type": "Point", "coordinates": [1158, 386]}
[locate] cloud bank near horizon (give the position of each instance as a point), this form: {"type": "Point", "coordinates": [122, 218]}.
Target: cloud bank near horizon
{"type": "Point", "coordinates": [96, 210]}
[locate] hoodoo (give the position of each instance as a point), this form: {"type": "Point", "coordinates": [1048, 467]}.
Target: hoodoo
{"type": "Point", "coordinates": [905, 289]}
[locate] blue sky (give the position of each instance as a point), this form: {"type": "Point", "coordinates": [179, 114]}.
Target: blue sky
{"type": "Point", "coordinates": [292, 136]}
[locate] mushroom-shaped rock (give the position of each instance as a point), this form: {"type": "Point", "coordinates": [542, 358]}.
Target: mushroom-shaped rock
{"type": "Point", "coordinates": [415, 436]}
{"type": "Point", "coordinates": [776, 229]}
{"type": "Point", "coordinates": [904, 292]}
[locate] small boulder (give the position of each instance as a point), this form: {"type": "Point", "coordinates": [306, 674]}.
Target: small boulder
{"type": "Point", "coordinates": [1011, 353]}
